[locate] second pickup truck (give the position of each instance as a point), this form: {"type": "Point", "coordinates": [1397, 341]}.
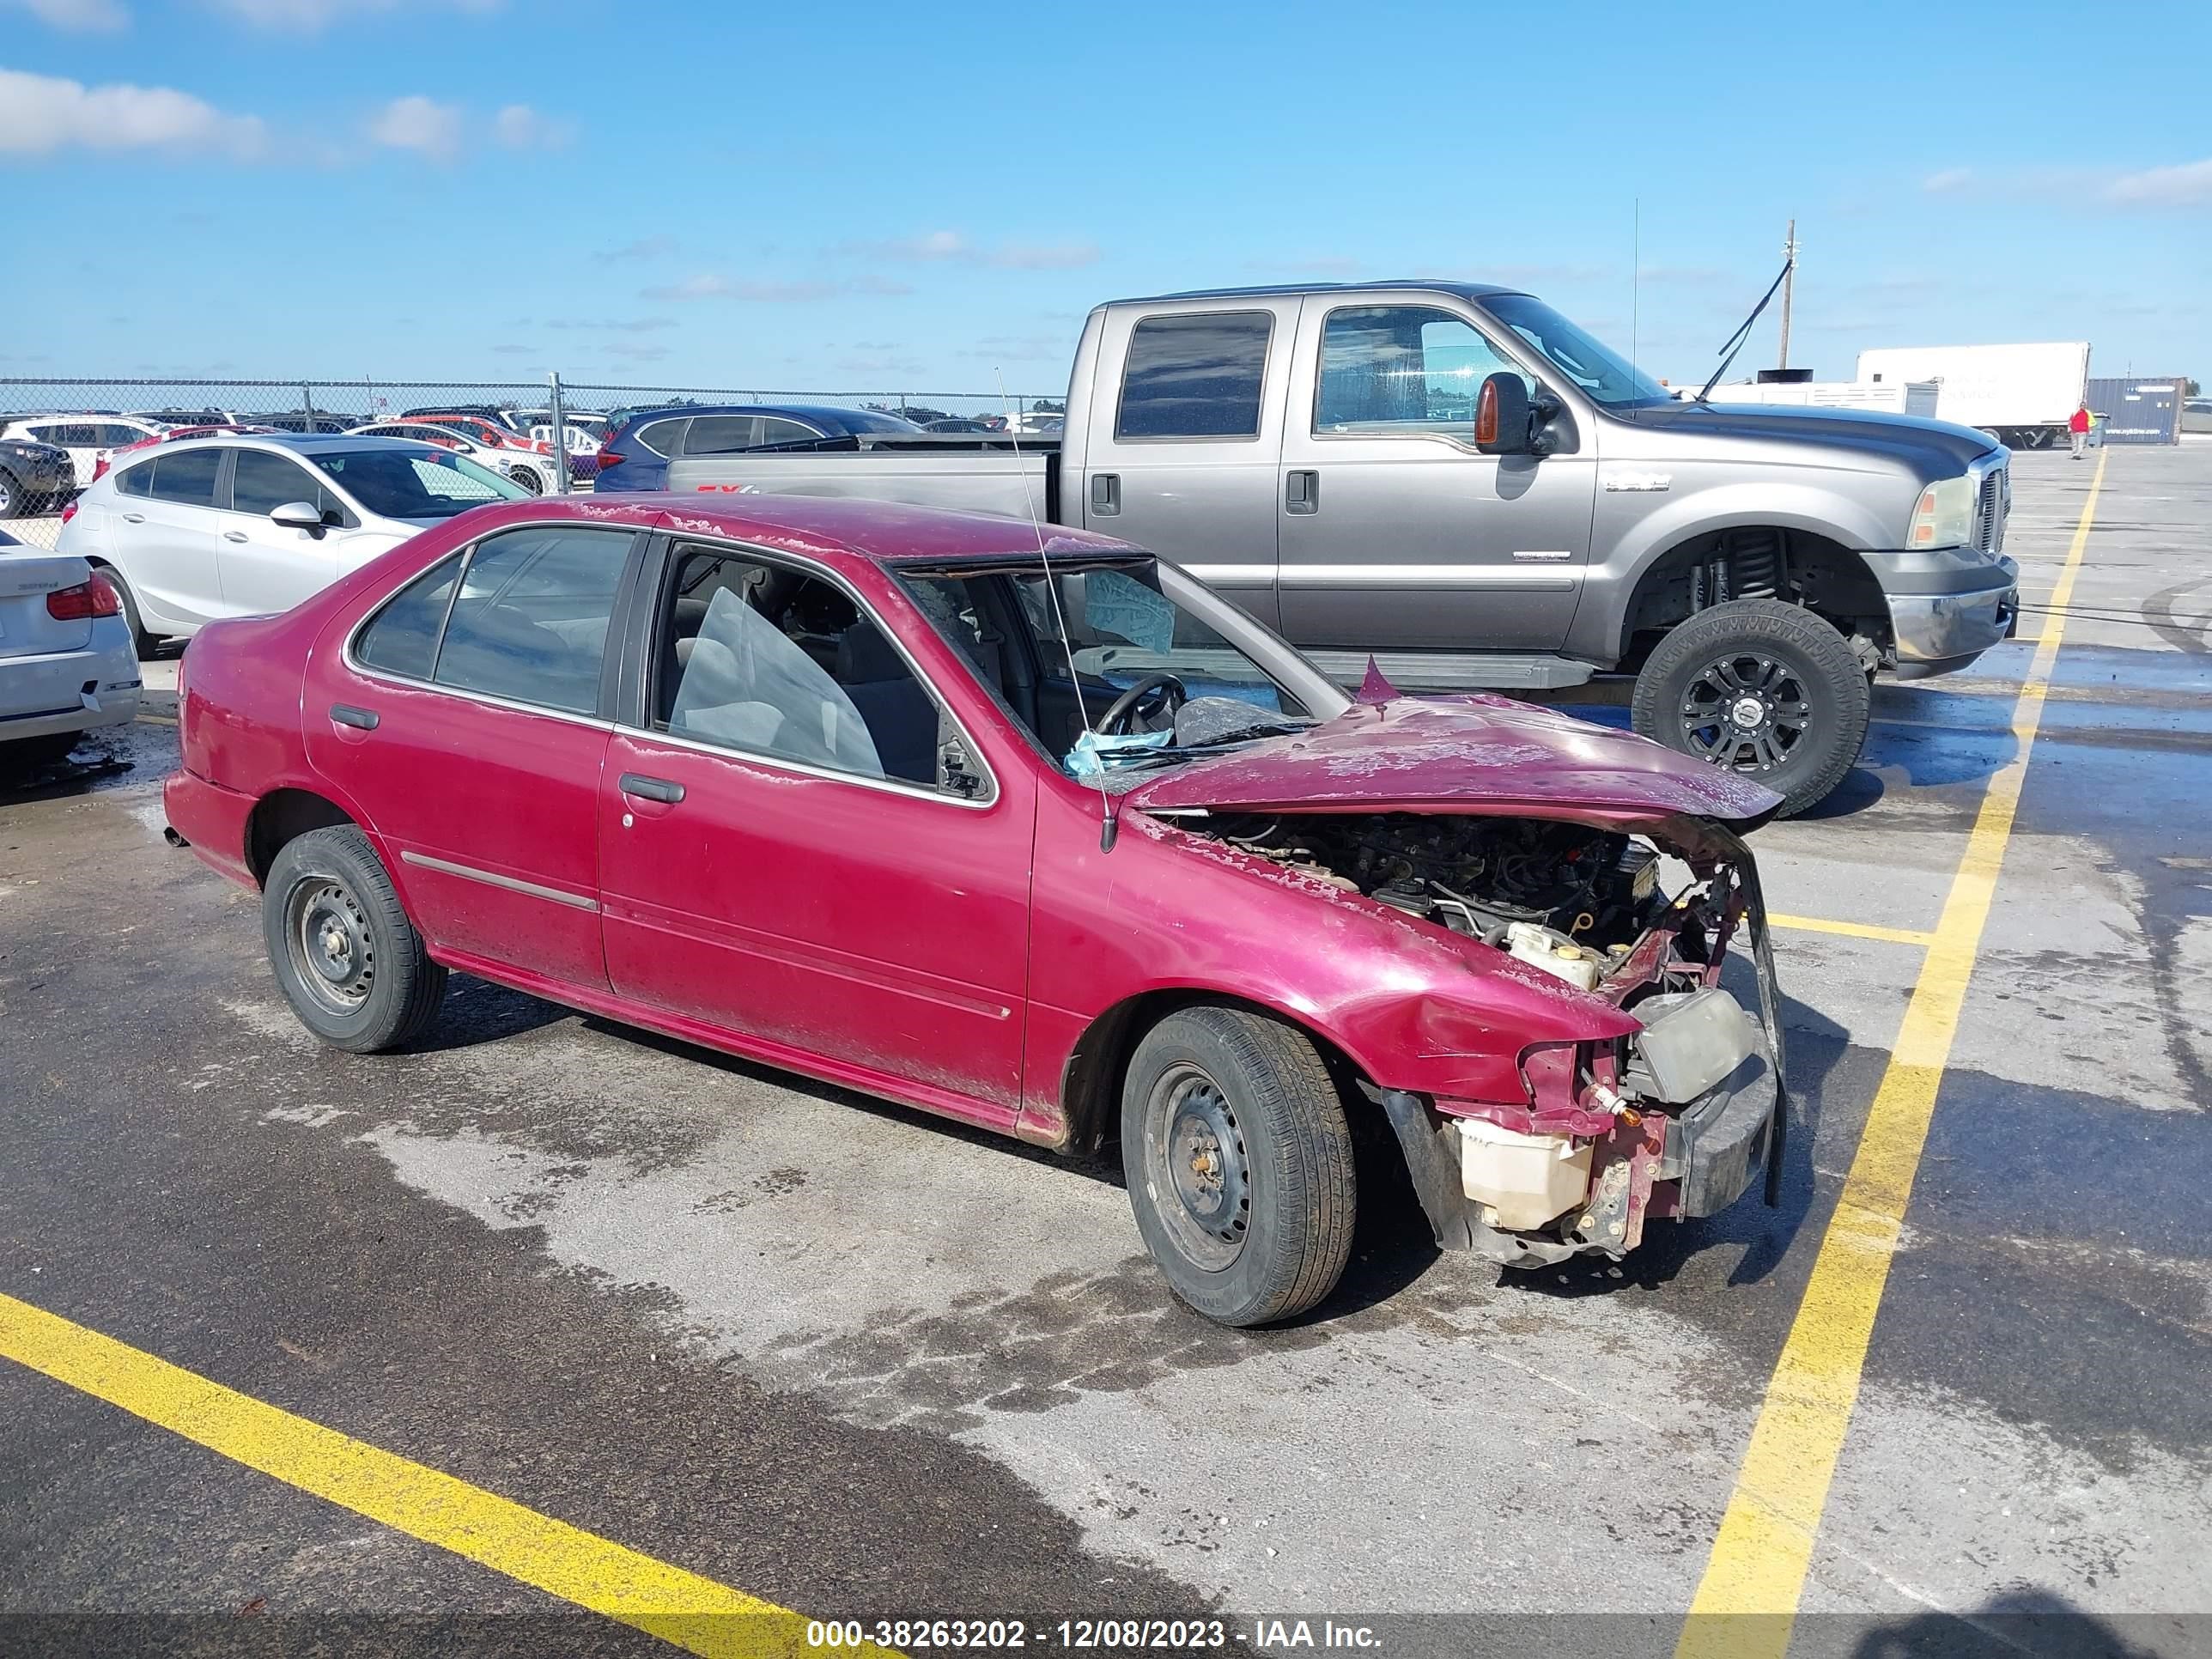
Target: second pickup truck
{"type": "Point", "coordinates": [1456, 479]}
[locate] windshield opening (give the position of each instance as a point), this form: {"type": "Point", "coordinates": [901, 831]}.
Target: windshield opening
{"type": "Point", "coordinates": [1216, 678]}
{"type": "Point", "coordinates": [418, 481]}
{"type": "Point", "coordinates": [1606, 378]}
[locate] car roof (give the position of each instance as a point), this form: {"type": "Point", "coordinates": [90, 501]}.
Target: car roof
{"type": "Point", "coordinates": [1291, 290]}
{"type": "Point", "coordinates": [817, 526]}
{"type": "Point", "coordinates": [299, 443]}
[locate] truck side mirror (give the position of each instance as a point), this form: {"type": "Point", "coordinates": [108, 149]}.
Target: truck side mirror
{"type": "Point", "coordinates": [1501, 415]}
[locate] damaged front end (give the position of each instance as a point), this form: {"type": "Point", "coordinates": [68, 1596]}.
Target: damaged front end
{"type": "Point", "coordinates": [1672, 1119]}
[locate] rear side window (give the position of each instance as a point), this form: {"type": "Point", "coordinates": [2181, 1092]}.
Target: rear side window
{"type": "Point", "coordinates": [136, 480]}
{"type": "Point", "coordinates": [1196, 374]}
{"type": "Point", "coordinates": [720, 434]}
{"type": "Point", "coordinates": [531, 621]}
{"type": "Point", "coordinates": [663, 438]}
{"type": "Point", "coordinates": [403, 638]}
{"type": "Point", "coordinates": [187, 477]}
{"type": "Point", "coordinates": [773, 430]}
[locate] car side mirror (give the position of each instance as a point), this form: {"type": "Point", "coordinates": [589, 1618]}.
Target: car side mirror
{"type": "Point", "coordinates": [297, 515]}
{"type": "Point", "coordinates": [1501, 415]}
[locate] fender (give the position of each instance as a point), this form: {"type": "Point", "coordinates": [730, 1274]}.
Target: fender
{"type": "Point", "coordinates": [1599, 632]}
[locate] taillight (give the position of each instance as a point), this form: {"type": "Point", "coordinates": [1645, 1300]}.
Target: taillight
{"type": "Point", "coordinates": [609, 458]}
{"type": "Point", "coordinates": [69, 506]}
{"type": "Point", "coordinates": [96, 597]}
{"type": "Point", "coordinates": [100, 470]}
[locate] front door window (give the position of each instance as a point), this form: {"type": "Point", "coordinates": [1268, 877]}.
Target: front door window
{"type": "Point", "coordinates": [1389, 371]}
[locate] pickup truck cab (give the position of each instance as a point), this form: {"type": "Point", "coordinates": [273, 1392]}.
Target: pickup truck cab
{"type": "Point", "coordinates": [1454, 478]}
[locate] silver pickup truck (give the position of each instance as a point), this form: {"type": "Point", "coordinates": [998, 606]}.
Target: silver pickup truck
{"type": "Point", "coordinates": [1458, 480]}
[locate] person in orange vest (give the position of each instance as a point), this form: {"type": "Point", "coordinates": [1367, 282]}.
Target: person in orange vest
{"type": "Point", "coordinates": [2077, 427]}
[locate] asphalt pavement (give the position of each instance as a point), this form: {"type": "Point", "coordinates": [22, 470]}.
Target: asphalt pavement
{"type": "Point", "coordinates": [865, 1364]}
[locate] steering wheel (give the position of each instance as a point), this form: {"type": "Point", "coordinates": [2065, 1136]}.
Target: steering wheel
{"type": "Point", "coordinates": [1165, 686]}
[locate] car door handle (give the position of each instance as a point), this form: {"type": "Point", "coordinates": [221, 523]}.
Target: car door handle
{"type": "Point", "coordinates": [1105, 493]}
{"type": "Point", "coordinates": [1302, 492]}
{"type": "Point", "coordinates": [134, 518]}
{"type": "Point", "coordinates": [234, 535]}
{"type": "Point", "coordinates": [644, 788]}
{"type": "Point", "coordinates": [361, 719]}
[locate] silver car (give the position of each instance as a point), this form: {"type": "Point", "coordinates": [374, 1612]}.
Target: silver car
{"type": "Point", "coordinates": [195, 531]}
{"type": "Point", "coordinates": [66, 665]}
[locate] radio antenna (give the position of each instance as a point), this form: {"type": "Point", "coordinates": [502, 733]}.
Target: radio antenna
{"type": "Point", "coordinates": [1109, 827]}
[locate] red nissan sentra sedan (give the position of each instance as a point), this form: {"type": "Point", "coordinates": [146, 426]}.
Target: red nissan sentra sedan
{"type": "Point", "coordinates": [854, 788]}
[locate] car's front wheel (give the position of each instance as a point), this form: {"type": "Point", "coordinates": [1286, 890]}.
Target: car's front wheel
{"type": "Point", "coordinates": [1766, 689]}
{"type": "Point", "coordinates": [345, 955]}
{"type": "Point", "coordinates": [1238, 1162]}
{"type": "Point", "coordinates": [528, 478]}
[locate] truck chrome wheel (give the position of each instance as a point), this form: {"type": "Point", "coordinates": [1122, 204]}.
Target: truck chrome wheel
{"type": "Point", "coordinates": [332, 956]}
{"type": "Point", "coordinates": [1747, 713]}
{"type": "Point", "coordinates": [1195, 1147]}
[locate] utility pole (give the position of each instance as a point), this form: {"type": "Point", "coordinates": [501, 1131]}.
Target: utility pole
{"type": "Point", "coordinates": [1789, 279]}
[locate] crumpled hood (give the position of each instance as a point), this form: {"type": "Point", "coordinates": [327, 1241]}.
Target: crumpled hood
{"type": "Point", "coordinates": [1476, 753]}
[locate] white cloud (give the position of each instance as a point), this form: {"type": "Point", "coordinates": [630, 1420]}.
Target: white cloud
{"type": "Point", "coordinates": [418, 123]}
{"type": "Point", "coordinates": [936, 245]}
{"type": "Point", "coordinates": [307, 16]}
{"type": "Point", "coordinates": [89, 16]}
{"type": "Point", "coordinates": [2189, 185]}
{"type": "Point", "coordinates": [518, 126]}
{"type": "Point", "coordinates": [42, 114]}
{"type": "Point", "coordinates": [711, 285]}
{"type": "Point", "coordinates": [1947, 180]}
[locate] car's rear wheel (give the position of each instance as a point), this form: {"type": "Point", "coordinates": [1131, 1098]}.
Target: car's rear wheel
{"type": "Point", "coordinates": [12, 504]}
{"type": "Point", "coordinates": [143, 643]}
{"type": "Point", "coordinates": [345, 955]}
{"type": "Point", "coordinates": [1238, 1163]}
{"type": "Point", "coordinates": [1766, 690]}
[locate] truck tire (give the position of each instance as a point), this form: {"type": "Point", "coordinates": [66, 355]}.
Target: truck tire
{"type": "Point", "coordinates": [1238, 1162]}
{"type": "Point", "coordinates": [1765, 689]}
{"type": "Point", "coordinates": [345, 956]}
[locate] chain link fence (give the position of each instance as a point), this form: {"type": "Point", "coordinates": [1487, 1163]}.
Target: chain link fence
{"type": "Point", "coordinates": [90, 418]}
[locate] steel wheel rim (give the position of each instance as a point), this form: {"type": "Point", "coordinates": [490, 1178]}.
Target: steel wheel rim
{"type": "Point", "coordinates": [1197, 1167]}
{"type": "Point", "coordinates": [1747, 711]}
{"type": "Point", "coordinates": [333, 957]}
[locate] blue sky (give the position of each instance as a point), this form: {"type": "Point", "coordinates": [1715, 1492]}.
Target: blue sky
{"type": "Point", "coordinates": [914, 196]}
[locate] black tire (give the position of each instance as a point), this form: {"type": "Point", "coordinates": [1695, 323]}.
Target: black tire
{"type": "Point", "coordinates": [143, 643]}
{"type": "Point", "coordinates": [528, 478]}
{"type": "Point", "coordinates": [13, 502]}
{"type": "Point", "coordinates": [1264, 1233]}
{"type": "Point", "coordinates": [20, 756]}
{"type": "Point", "coordinates": [328, 898]}
{"type": "Point", "coordinates": [1811, 692]}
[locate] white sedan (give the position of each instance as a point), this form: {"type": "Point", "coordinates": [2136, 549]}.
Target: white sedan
{"type": "Point", "coordinates": [194, 532]}
{"type": "Point", "coordinates": [533, 471]}
{"type": "Point", "coordinates": [66, 665]}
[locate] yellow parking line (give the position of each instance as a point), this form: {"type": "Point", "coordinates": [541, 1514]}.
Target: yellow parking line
{"type": "Point", "coordinates": [578, 1566]}
{"type": "Point", "coordinates": [1855, 929]}
{"type": "Point", "coordinates": [1748, 1600]}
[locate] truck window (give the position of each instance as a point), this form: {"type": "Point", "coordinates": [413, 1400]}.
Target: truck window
{"type": "Point", "coordinates": [1388, 369]}
{"type": "Point", "coordinates": [1194, 375]}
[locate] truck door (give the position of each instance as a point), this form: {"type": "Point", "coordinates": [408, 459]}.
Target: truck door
{"type": "Point", "coordinates": [1184, 442]}
{"type": "Point", "coordinates": [1395, 530]}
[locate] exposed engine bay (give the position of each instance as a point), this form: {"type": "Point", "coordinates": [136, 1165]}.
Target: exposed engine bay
{"type": "Point", "coordinates": [1671, 1121]}
{"type": "Point", "coordinates": [1571, 900]}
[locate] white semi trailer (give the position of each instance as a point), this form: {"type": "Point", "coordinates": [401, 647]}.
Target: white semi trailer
{"type": "Point", "coordinates": [2021, 395]}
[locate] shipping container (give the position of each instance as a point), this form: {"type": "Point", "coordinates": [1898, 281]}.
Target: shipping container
{"type": "Point", "coordinates": [2137, 410]}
